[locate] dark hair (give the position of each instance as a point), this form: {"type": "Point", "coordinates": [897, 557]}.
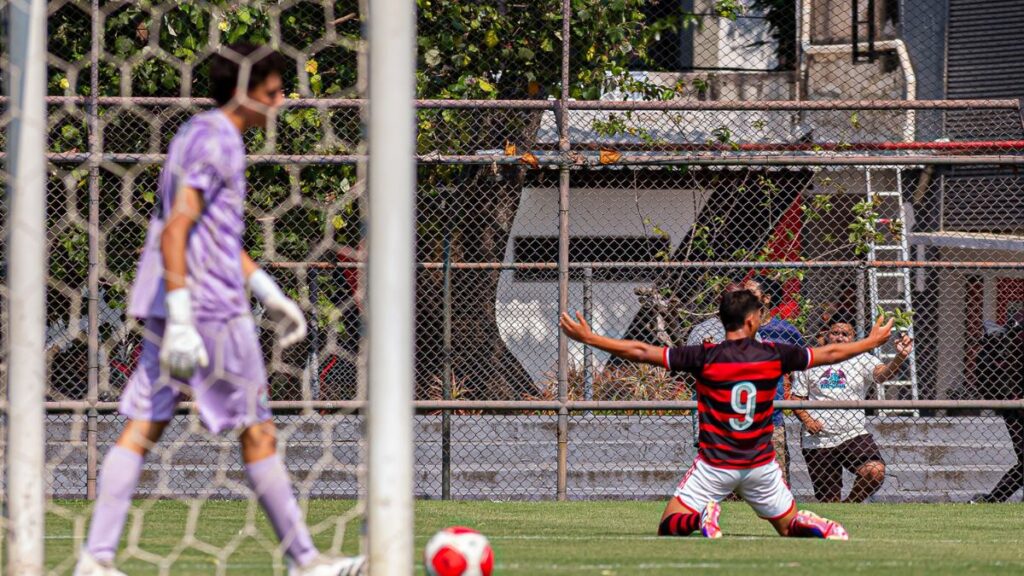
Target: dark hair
{"type": "Point", "coordinates": [735, 307]}
{"type": "Point", "coordinates": [771, 288]}
{"type": "Point", "coordinates": [226, 64]}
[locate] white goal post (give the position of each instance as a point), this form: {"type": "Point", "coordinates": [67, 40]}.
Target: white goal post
{"type": "Point", "coordinates": [392, 278]}
{"type": "Point", "coordinates": [26, 177]}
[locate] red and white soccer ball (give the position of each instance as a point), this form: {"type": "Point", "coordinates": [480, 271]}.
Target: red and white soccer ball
{"type": "Point", "coordinates": [458, 551]}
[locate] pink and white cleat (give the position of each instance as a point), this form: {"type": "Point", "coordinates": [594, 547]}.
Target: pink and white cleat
{"type": "Point", "coordinates": [709, 520]}
{"type": "Point", "coordinates": [809, 524]}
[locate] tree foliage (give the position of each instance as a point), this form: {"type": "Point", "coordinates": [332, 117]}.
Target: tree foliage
{"type": "Point", "coordinates": [493, 49]}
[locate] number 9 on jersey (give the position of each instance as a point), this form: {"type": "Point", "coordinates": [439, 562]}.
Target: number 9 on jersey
{"type": "Point", "coordinates": [744, 402]}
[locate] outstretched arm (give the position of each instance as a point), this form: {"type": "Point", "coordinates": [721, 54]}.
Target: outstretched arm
{"type": "Point", "coordinates": [629, 349]}
{"type": "Point", "coordinates": [835, 353]}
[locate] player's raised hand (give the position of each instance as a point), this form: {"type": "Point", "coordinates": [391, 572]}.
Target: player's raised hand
{"type": "Point", "coordinates": [290, 322]}
{"type": "Point", "coordinates": [577, 329]}
{"type": "Point", "coordinates": [880, 332]}
{"type": "Point", "coordinates": [182, 348]}
{"type": "Point", "coordinates": [904, 346]}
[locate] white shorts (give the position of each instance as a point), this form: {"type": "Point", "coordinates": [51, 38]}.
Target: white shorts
{"type": "Point", "coordinates": [762, 487]}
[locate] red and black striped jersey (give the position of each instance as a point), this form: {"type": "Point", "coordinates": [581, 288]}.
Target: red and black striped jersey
{"type": "Point", "coordinates": [736, 383]}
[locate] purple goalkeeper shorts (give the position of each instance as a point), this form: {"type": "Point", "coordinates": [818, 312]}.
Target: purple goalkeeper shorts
{"type": "Point", "coordinates": [231, 391]}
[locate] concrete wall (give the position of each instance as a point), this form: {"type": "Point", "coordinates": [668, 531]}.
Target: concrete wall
{"type": "Point", "coordinates": [831, 21]}
{"type": "Point", "coordinates": [742, 43]}
{"type": "Point", "coordinates": [924, 31]}
{"type": "Point", "coordinates": [512, 457]}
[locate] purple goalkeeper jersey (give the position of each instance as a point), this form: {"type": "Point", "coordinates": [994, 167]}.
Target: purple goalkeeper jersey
{"type": "Point", "coordinates": [206, 154]}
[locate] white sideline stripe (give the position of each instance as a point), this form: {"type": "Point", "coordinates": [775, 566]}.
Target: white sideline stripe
{"type": "Point", "coordinates": [726, 536]}
{"type": "Point", "coordinates": [554, 537]}
{"type": "Point", "coordinates": [618, 566]}
{"type": "Point", "coordinates": [711, 565]}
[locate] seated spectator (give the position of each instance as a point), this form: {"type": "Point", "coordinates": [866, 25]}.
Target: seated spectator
{"type": "Point", "coordinates": [836, 439]}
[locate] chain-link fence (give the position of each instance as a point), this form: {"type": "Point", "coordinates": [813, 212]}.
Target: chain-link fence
{"type": "Point", "coordinates": [627, 160]}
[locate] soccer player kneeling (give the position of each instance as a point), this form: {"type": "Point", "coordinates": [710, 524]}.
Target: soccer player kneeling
{"type": "Point", "coordinates": [736, 383]}
{"type": "Point", "coordinates": [190, 292]}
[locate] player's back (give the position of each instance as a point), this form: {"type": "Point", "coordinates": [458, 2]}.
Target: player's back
{"type": "Point", "coordinates": [208, 155]}
{"type": "Point", "coordinates": [736, 382]}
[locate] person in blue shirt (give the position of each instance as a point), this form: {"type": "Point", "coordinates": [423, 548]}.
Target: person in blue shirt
{"type": "Point", "coordinates": [778, 330]}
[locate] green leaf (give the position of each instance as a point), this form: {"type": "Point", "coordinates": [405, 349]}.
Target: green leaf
{"type": "Point", "coordinates": [69, 132]}
{"type": "Point", "coordinates": [123, 46]}
{"type": "Point", "coordinates": [491, 38]}
{"type": "Point", "coordinates": [432, 57]}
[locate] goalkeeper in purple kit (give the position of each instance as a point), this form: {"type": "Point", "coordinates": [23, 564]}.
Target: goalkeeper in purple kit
{"type": "Point", "coordinates": [200, 337]}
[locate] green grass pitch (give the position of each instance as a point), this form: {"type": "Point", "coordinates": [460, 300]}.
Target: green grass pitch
{"type": "Point", "coordinates": [602, 538]}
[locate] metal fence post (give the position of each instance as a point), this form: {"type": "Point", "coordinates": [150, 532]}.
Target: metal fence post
{"type": "Point", "coordinates": [563, 259]}
{"type": "Point", "coordinates": [313, 356]}
{"type": "Point", "coordinates": [864, 317]}
{"type": "Point", "coordinates": [95, 150]}
{"type": "Point", "coordinates": [588, 352]}
{"type": "Point", "coordinates": [446, 374]}
{"type": "Point", "coordinates": [563, 344]}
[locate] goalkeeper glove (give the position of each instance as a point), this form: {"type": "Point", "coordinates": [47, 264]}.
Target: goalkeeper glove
{"type": "Point", "coordinates": [282, 310]}
{"type": "Point", "coordinates": [182, 347]}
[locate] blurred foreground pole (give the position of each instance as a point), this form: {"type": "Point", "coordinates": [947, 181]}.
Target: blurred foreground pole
{"type": "Point", "coordinates": [391, 282]}
{"type": "Point", "coordinates": [26, 385]}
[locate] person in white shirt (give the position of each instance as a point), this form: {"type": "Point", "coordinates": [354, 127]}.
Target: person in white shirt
{"type": "Point", "coordinates": [836, 439]}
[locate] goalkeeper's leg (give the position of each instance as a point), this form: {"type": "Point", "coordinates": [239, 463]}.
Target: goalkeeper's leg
{"type": "Point", "coordinates": [269, 480]}
{"type": "Point", "coordinates": [118, 478]}
{"type": "Point", "coordinates": [148, 402]}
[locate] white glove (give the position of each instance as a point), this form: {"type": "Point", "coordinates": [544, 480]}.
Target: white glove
{"type": "Point", "coordinates": [182, 347]}
{"type": "Point", "coordinates": [291, 322]}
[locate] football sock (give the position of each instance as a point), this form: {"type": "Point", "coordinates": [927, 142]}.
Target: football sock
{"type": "Point", "coordinates": [273, 488]}
{"type": "Point", "coordinates": [679, 524]}
{"type": "Point", "coordinates": [117, 480]}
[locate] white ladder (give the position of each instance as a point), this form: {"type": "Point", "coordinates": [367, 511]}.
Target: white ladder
{"type": "Point", "coordinates": [889, 288]}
